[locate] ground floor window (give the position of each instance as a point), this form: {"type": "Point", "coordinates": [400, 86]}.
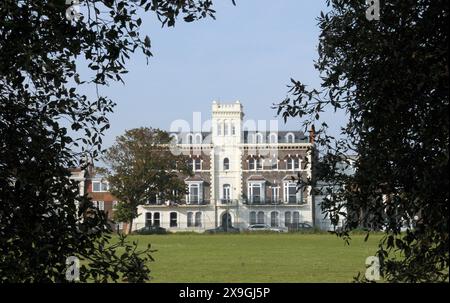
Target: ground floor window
{"type": "Point", "coordinates": [261, 217]}
{"type": "Point", "coordinates": [190, 219]}
{"type": "Point", "coordinates": [194, 219]}
{"type": "Point", "coordinates": [274, 219]}
{"type": "Point", "coordinates": [173, 219]}
{"type": "Point", "coordinates": [198, 219]}
{"type": "Point", "coordinates": [152, 219]}
{"type": "Point", "coordinates": [156, 219]}
{"type": "Point", "coordinates": [252, 217]}
{"type": "Point", "coordinates": [287, 218]}
{"type": "Point", "coordinates": [296, 217]}
{"type": "Point", "coordinates": [148, 219]}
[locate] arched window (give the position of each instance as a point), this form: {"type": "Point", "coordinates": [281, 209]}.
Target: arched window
{"type": "Point", "coordinates": [287, 218]}
{"type": "Point", "coordinates": [273, 138]}
{"type": "Point", "coordinates": [190, 220]}
{"type": "Point", "coordinates": [190, 138]}
{"type": "Point", "coordinates": [233, 129]}
{"type": "Point", "coordinates": [252, 217]}
{"type": "Point", "coordinates": [255, 163]}
{"type": "Point", "coordinates": [274, 219]}
{"type": "Point", "coordinates": [252, 164]}
{"type": "Point", "coordinates": [198, 138]}
{"type": "Point", "coordinates": [258, 138]}
{"type": "Point", "coordinates": [197, 165]}
{"type": "Point", "coordinates": [226, 164]}
{"type": "Point", "coordinates": [296, 217]}
{"type": "Point", "coordinates": [198, 219]}
{"type": "Point", "coordinates": [292, 163]}
{"type": "Point", "coordinates": [260, 219]}
{"type": "Point", "coordinates": [290, 138]}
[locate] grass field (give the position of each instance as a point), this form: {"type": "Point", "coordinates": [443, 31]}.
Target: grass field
{"type": "Point", "coordinates": [257, 257]}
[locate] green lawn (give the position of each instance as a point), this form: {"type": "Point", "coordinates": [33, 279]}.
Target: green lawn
{"type": "Point", "coordinates": [257, 257]}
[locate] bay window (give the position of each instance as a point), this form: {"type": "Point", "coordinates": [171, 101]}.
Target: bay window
{"type": "Point", "coordinates": [256, 192]}
{"type": "Point", "coordinates": [195, 193]}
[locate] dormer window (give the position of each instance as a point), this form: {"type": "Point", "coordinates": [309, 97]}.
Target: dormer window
{"type": "Point", "coordinates": [190, 138]}
{"type": "Point", "coordinates": [100, 186]}
{"type": "Point", "coordinates": [258, 138]}
{"type": "Point", "coordinates": [198, 138]}
{"type": "Point", "coordinates": [273, 138]}
{"type": "Point", "coordinates": [290, 138]}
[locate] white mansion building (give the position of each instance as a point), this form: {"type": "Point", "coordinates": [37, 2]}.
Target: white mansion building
{"type": "Point", "coordinates": [241, 177]}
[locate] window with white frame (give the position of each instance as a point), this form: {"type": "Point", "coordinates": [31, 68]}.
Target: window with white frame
{"type": "Point", "coordinates": [226, 193]}
{"type": "Point", "coordinates": [233, 129]}
{"type": "Point", "coordinates": [100, 205]}
{"type": "Point", "coordinates": [274, 219]}
{"type": "Point", "coordinates": [100, 186]}
{"type": "Point", "coordinates": [259, 163]}
{"type": "Point", "coordinates": [252, 217]}
{"type": "Point", "coordinates": [287, 218]}
{"type": "Point", "coordinates": [290, 138]}
{"type": "Point", "coordinates": [273, 138]}
{"type": "Point", "coordinates": [197, 164]}
{"type": "Point", "coordinates": [157, 219]}
{"type": "Point", "coordinates": [173, 219]}
{"type": "Point", "coordinates": [292, 163]}
{"type": "Point", "coordinates": [291, 195]}
{"type": "Point", "coordinates": [195, 193]}
{"type": "Point", "coordinates": [274, 163]}
{"type": "Point", "coordinates": [255, 163]}
{"type": "Point", "coordinates": [190, 219]}
{"type": "Point", "coordinates": [219, 128]}
{"type": "Point", "coordinates": [260, 218]}
{"type": "Point", "coordinates": [114, 204]}
{"type": "Point", "coordinates": [296, 217]}
{"type": "Point", "coordinates": [275, 193]}
{"type": "Point", "coordinates": [148, 219]}
{"type": "Point", "coordinates": [256, 192]}
{"type": "Point", "coordinates": [226, 164]}
{"type": "Point", "coordinates": [198, 138]}
{"type": "Point", "coordinates": [198, 219]}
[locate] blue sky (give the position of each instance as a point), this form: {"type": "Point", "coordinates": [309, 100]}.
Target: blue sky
{"type": "Point", "coordinates": [249, 53]}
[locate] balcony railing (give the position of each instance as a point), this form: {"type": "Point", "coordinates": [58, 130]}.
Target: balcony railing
{"type": "Point", "coordinates": [176, 203]}
{"type": "Point", "coordinates": [275, 202]}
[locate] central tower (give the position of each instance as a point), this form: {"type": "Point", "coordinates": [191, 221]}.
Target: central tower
{"type": "Point", "coordinates": [227, 136]}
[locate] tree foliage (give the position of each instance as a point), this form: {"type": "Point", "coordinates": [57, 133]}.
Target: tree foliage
{"type": "Point", "coordinates": [391, 78]}
{"type": "Point", "coordinates": [47, 125]}
{"type": "Point", "coordinates": [142, 168]}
